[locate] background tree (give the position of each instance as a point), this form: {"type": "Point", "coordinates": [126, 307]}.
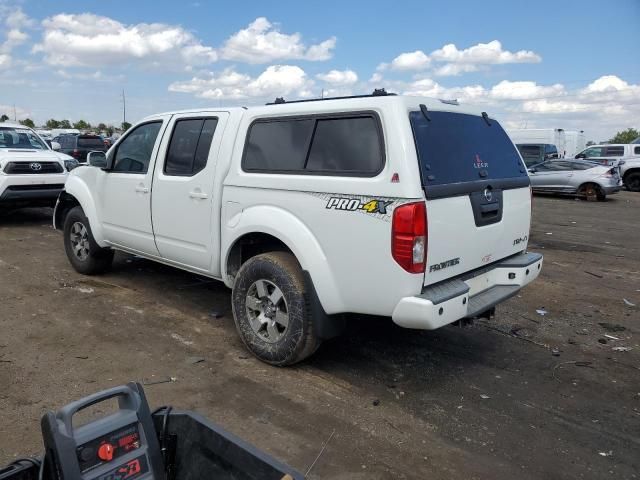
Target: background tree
{"type": "Point", "coordinates": [109, 129]}
{"type": "Point", "coordinates": [65, 124]}
{"type": "Point", "coordinates": [52, 123]}
{"type": "Point", "coordinates": [82, 125]}
{"type": "Point", "coordinates": [102, 127]}
{"type": "Point", "coordinates": [125, 126]}
{"type": "Point", "coordinates": [590, 142]}
{"type": "Point", "coordinates": [625, 136]}
{"type": "Point", "coordinates": [4, 118]}
{"type": "Point", "coordinates": [27, 122]}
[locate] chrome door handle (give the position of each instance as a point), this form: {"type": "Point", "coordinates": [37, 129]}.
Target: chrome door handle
{"type": "Point", "coordinates": [198, 194]}
{"type": "Point", "coordinates": [142, 189]}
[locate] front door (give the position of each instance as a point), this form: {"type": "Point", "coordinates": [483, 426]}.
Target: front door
{"type": "Point", "coordinates": [125, 190]}
{"type": "Point", "coordinates": [551, 176]}
{"type": "Point", "coordinates": [183, 189]}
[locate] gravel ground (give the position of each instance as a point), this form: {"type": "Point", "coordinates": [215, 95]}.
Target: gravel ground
{"type": "Point", "coordinates": [523, 395]}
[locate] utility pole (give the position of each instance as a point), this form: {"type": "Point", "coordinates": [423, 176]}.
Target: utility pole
{"type": "Point", "coordinates": [124, 108]}
{"type": "Point", "coordinates": [15, 117]}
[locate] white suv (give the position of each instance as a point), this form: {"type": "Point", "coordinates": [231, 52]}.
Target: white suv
{"type": "Point", "coordinates": [387, 205]}
{"type": "Point", "coordinates": [31, 173]}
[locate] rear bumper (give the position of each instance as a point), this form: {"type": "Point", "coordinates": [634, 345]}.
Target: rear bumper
{"type": "Point", "coordinates": [610, 190]}
{"type": "Point", "coordinates": [467, 296]}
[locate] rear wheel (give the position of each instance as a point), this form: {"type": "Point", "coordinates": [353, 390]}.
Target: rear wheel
{"type": "Point", "coordinates": [632, 181]}
{"type": "Point", "coordinates": [271, 309]}
{"type": "Point", "coordinates": [84, 254]}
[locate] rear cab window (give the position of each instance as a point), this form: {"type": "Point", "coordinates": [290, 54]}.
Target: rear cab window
{"type": "Point", "coordinates": [90, 142]}
{"type": "Point", "coordinates": [458, 151]}
{"type": "Point", "coordinates": [343, 144]}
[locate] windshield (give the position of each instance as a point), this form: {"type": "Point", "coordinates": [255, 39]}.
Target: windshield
{"type": "Point", "coordinates": [531, 154]}
{"type": "Point", "coordinates": [24, 138]}
{"type": "Point", "coordinates": [456, 148]}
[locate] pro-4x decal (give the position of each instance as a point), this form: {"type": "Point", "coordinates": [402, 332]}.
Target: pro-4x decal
{"type": "Point", "coordinates": [353, 204]}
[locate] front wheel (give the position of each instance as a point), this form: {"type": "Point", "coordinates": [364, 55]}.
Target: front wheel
{"type": "Point", "coordinates": [271, 309]}
{"type": "Point", "coordinates": [84, 254]}
{"type": "Point", "coordinates": [632, 181]}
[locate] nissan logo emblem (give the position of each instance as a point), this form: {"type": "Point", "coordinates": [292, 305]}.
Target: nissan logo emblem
{"type": "Point", "coordinates": [487, 194]}
{"type": "Point", "coordinates": [35, 166]}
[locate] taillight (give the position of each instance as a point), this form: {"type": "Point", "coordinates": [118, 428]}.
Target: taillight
{"type": "Point", "coordinates": [409, 236]}
{"type": "Point", "coordinates": [75, 153]}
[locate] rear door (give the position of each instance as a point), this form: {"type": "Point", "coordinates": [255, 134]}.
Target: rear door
{"type": "Point", "coordinates": [477, 191]}
{"type": "Point", "coordinates": [183, 193]}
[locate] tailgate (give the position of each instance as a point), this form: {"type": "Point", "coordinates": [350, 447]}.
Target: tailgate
{"type": "Point", "coordinates": [477, 191]}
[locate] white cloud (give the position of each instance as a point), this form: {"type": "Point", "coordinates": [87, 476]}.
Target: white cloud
{"type": "Point", "coordinates": [417, 60]}
{"type": "Point", "coordinates": [92, 40]}
{"type": "Point", "coordinates": [5, 61]}
{"type": "Point", "coordinates": [429, 88]}
{"type": "Point", "coordinates": [376, 78]}
{"type": "Point", "coordinates": [455, 62]}
{"type": "Point", "coordinates": [339, 77]}
{"type": "Point", "coordinates": [455, 69]}
{"type": "Point", "coordinates": [276, 80]}
{"type": "Point", "coordinates": [262, 42]}
{"type": "Point", "coordinates": [14, 20]}
{"type": "Point", "coordinates": [506, 90]}
{"type": "Point", "coordinates": [484, 53]}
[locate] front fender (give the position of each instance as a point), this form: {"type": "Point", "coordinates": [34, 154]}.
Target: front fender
{"type": "Point", "coordinates": [77, 187]}
{"type": "Point", "coordinates": [290, 230]}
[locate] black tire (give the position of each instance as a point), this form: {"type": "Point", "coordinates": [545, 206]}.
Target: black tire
{"type": "Point", "coordinates": [632, 181]}
{"type": "Point", "coordinates": [91, 259]}
{"type": "Point", "coordinates": [590, 192]}
{"type": "Point", "coordinates": [287, 345]}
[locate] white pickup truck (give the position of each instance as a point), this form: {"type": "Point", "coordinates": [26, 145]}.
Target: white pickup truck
{"type": "Point", "coordinates": [624, 156]}
{"type": "Point", "coordinates": [387, 205]}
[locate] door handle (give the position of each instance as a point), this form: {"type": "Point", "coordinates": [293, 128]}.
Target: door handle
{"type": "Point", "coordinates": [198, 194]}
{"type": "Point", "coordinates": [142, 189]}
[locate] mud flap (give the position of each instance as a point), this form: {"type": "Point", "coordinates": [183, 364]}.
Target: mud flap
{"type": "Point", "coordinates": [325, 326]}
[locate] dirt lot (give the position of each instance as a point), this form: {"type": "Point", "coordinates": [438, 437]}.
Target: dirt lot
{"type": "Point", "coordinates": [520, 396]}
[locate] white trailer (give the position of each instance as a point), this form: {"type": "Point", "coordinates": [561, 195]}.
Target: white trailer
{"type": "Point", "coordinates": [539, 136]}
{"type": "Point", "coordinates": [574, 142]}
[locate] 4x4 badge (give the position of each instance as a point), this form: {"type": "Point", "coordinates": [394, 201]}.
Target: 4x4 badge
{"type": "Point", "coordinates": [353, 204]}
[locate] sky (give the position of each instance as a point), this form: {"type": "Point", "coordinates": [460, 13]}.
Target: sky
{"type": "Point", "coordinates": [543, 64]}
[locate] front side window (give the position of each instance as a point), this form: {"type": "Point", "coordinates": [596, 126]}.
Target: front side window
{"type": "Point", "coordinates": [189, 146]}
{"type": "Point", "coordinates": [134, 152]}
{"type": "Point", "coordinates": [593, 152]}
{"type": "Point", "coordinates": [349, 145]}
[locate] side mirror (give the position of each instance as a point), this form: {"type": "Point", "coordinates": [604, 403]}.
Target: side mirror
{"type": "Point", "coordinates": [580, 155]}
{"type": "Point", "coordinates": [55, 146]}
{"type": "Point", "coordinates": [532, 170]}
{"type": "Point", "coordinates": [97, 159]}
